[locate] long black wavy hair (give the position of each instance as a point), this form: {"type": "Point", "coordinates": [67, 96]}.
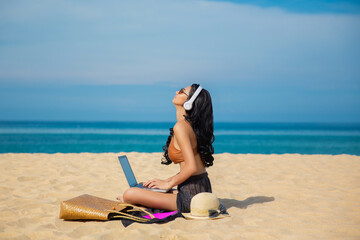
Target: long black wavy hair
{"type": "Point", "coordinates": [201, 119]}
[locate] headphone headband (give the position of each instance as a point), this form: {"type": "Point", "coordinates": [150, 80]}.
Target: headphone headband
{"type": "Point", "coordinates": [189, 104]}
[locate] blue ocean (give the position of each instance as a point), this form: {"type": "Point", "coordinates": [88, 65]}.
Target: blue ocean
{"type": "Point", "coordinates": [99, 137]}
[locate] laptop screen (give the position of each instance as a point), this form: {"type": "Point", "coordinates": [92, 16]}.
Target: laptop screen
{"type": "Point", "coordinates": [128, 171]}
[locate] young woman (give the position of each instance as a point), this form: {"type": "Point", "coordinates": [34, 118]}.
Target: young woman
{"type": "Point", "coordinates": [189, 145]}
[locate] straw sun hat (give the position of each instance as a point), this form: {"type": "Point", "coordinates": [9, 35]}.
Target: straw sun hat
{"type": "Point", "coordinates": [205, 206]}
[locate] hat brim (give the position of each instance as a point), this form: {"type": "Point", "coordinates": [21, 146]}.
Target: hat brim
{"type": "Point", "coordinates": [223, 213]}
{"type": "Point", "coordinates": [191, 217]}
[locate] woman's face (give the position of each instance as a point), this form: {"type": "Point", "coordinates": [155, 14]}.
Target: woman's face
{"type": "Point", "coordinates": [181, 96]}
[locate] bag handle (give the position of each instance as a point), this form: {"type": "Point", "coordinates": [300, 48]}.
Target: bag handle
{"type": "Point", "coordinates": [118, 215]}
{"type": "Point", "coordinates": [134, 209]}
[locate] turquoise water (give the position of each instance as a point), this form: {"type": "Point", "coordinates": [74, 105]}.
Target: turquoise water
{"type": "Point", "coordinates": [98, 137]}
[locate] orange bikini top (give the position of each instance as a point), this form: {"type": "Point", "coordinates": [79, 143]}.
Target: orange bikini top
{"type": "Point", "coordinates": [175, 155]}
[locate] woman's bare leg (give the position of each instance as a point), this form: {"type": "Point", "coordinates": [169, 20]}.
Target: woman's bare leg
{"type": "Point", "coordinates": [138, 196]}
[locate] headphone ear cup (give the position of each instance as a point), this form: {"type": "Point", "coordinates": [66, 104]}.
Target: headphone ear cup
{"type": "Point", "coordinates": [187, 105]}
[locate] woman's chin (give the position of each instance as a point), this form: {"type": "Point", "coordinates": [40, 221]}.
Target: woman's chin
{"type": "Point", "coordinates": [176, 103]}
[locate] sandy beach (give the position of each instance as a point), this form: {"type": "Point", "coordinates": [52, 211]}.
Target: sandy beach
{"type": "Point", "coordinates": [288, 196]}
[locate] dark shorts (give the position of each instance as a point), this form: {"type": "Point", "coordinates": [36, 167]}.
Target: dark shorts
{"type": "Point", "coordinates": [188, 189]}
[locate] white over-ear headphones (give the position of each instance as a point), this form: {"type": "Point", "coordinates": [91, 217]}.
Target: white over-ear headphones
{"type": "Point", "coordinates": [189, 103]}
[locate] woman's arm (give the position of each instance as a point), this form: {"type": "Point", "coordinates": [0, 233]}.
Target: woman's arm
{"type": "Point", "coordinates": [182, 131]}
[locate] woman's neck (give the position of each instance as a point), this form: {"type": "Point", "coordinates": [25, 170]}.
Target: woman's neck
{"type": "Point", "coordinates": [180, 112]}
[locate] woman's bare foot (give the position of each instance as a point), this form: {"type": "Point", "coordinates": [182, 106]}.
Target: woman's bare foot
{"type": "Point", "coordinates": [120, 198]}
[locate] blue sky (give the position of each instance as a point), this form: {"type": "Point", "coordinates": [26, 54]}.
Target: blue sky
{"type": "Point", "coordinates": [124, 60]}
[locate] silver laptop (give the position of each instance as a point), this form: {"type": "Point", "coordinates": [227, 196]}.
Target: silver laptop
{"type": "Point", "coordinates": [130, 177]}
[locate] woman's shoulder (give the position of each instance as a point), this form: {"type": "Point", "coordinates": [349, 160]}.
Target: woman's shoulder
{"type": "Point", "coordinates": [182, 126]}
{"type": "Point", "coordinates": [183, 131]}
